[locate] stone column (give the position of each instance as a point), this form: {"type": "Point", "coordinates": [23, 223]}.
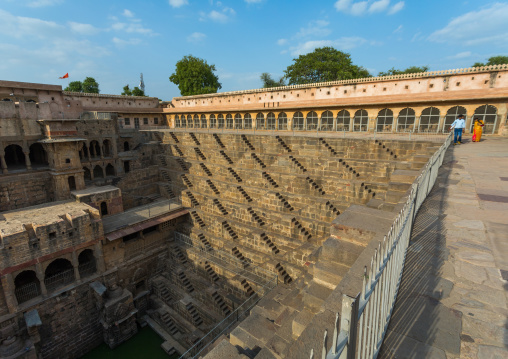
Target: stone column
{"type": "Point", "coordinates": [27, 159]}
{"type": "Point", "coordinates": [9, 291]}
{"type": "Point", "coordinates": [99, 258]}
{"type": "Point", "coordinates": [3, 163]}
{"type": "Point", "coordinates": [103, 171]}
{"type": "Point", "coordinates": [75, 265]}
{"type": "Point", "coordinates": [40, 276]}
{"type": "Point", "coordinates": [101, 150]}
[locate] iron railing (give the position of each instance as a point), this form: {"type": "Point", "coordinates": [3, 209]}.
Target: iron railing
{"type": "Point", "coordinates": [364, 319]}
{"type": "Point", "coordinates": [59, 279]}
{"type": "Point", "coordinates": [28, 291]}
{"type": "Point", "coordinates": [87, 269]}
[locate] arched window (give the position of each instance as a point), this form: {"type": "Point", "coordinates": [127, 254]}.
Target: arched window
{"type": "Point", "coordinates": [177, 122]}
{"type": "Point", "coordinates": [298, 121]}
{"type": "Point", "coordinates": [361, 121]}
{"type": "Point", "coordinates": [327, 121]}
{"type": "Point", "coordinates": [107, 148]}
{"type": "Point", "coordinates": [312, 121]}
{"type": "Point", "coordinates": [213, 121]}
{"type": "Point", "coordinates": [14, 157]}
{"type": "Point", "coordinates": [260, 121]}
{"type": "Point", "coordinates": [83, 153]}
{"type": "Point", "coordinates": [220, 121]}
{"type": "Point", "coordinates": [183, 122]}
{"type": "Point", "coordinates": [229, 121]}
{"type": "Point", "coordinates": [38, 156]}
{"type": "Point", "coordinates": [97, 172]}
{"type": "Point", "coordinates": [203, 121]}
{"type": "Point", "coordinates": [429, 120]}
{"type": "Point", "coordinates": [27, 286]}
{"type": "Point", "coordinates": [87, 174]}
{"type": "Point", "coordinates": [110, 170]}
{"type": "Point", "coordinates": [270, 121]}
{"type": "Point", "coordinates": [196, 121]}
{"type": "Point", "coordinates": [58, 274]}
{"type": "Point", "coordinates": [247, 121]}
{"type": "Point", "coordinates": [87, 265]}
{"type": "Point", "coordinates": [126, 146]}
{"type": "Point", "coordinates": [189, 121]}
{"type": "Point", "coordinates": [487, 114]}
{"type": "Point", "coordinates": [406, 120]}
{"type": "Point", "coordinates": [343, 120]}
{"type": "Point", "coordinates": [451, 115]}
{"type": "Point", "coordinates": [283, 121]}
{"type": "Point", "coordinates": [238, 121]}
{"type": "Point", "coordinates": [385, 120]}
{"type": "Point", "coordinates": [104, 209]}
{"type": "Point", "coordinates": [94, 149]}
{"type": "Point", "coordinates": [72, 183]}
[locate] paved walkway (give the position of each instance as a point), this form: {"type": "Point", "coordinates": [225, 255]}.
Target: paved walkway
{"type": "Point", "coordinates": [453, 297]}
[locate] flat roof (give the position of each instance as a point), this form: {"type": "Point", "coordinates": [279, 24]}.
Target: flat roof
{"type": "Point", "coordinates": [94, 190]}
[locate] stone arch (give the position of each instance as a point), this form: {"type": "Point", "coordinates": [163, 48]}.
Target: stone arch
{"type": "Point", "coordinates": [260, 121]}
{"type": "Point", "coordinates": [183, 122]}
{"type": "Point", "coordinates": [213, 121]}
{"type": "Point", "coordinates": [197, 123]}
{"type": "Point", "coordinates": [58, 273]}
{"type": "Point", "coordinates": [270, 121]}
{"type": "Point", "coordinates": [406, 120]}
{"type": "Point", "coordinates": [110, 170]}
{"type": "Point", "coordinates": [14, 156]}
{"type": "Point", "coordinates": [361, 121]}
{"type": "Point", "coordinates": [126, 146]}
{"type": "Point", "coordinates": [177, 121]}
{"type": "Point", "coordinates": [343, 120]}
{"type": "Point", "coordinates": [298, 121]}
{"type": "Point", "coordinates": [238, 121]}
{"type": "Point", "coordinates": [326, 121]}
{"type": "Point", "coordinates": [429, 120]}
{"type": "Point", "coordinates": [97, 172]}
{"type": "Point", "coordinates": [38, 155]}
{"type": "Point", "coordinates": [312, 121]}
{"type": "Point", "coordinates": [86, 263]}
{"type": "Point", "coordinates": [26, 286]}
{"type": "Point", "coordinates": [71, 180]}
{"type": "Point", "coordinates": [282, 120]}
{"type": "Point", "coordinates": [95, 149]}
{"type": "Point", "coordinates": [87, 174]}
{"type": "Point", "coordinates": [83, 152]}
{"type": "Point", "coordinates": [220, 121]}
{"type": "Point", "coordinates": [452, 114]}
{"type": "Point", "coordinates": [106, 147]}
{"type": "Point", "coordinates": [229, 121]}
{"type": "Point", "coordinates": [247, 121]}
{"type": "Point", "coordinates": [203, 121]}
{"type": "Point", "coordinates": [190, 123]}
{"type": "Point", "coordinates": [104, 208]}
{"type": "Point", "coordinates": [487, 114]}
{"type": "Point", "coordinates": [384, 121]}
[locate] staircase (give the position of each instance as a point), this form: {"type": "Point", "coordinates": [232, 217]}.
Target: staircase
{"type": "Point", "coordinates": [283, 144]}
{"type": "Point", "coordinates": [298, 164]}
{"type": "Point", "coordinates": [205, 169]}
{"type": "Point", "coordinates": [173, 136]}
{"type": "Point", "coordinates": [187, 182]}
{"type": "Point", "coordinates": [270, 180]}
{"type": "Point", "coordinates": [211, 272]}
{"type": "Point", "coordinates": [236, 252]}
{"type": "Point", "coordinates": [219, 301]}
{"type": "Point", "coordinates": [258, 160]}
{"type": "Point", "coordinates": [162, 292]}
{"type": "Point", "coordinates": [220, 207]}
{"type": "Point", "coordinates": [167, 188]}
{"type": "Point", "coordinates": [219, 142]}
{"type": "Point", "coordinates": [196, 318]}
{"type": "Point", "coordinates": [255, 216]}
{"type": "Point", "coordinates": [193, 199]}
{"type": "Point", "coordinates": [212, 186]}
{"type": "Point", "coordinates": [248, 289]}
{"type": "Point", "coordinates": [198, 219]}
{"type": "Point", "coordinates": [285, 203]}
{"type": "Point", "coordinates": [332, 207]}
{"type": "Point", "coordinates": [162, 160]}
{"type": "Point", "coordinates": [282, 272]}
{"type": "Point", "coordinates": [199, 153]}
{"type": "Point", "coordinates": [301, 228]}
{"type": "Point", "coordinates": [168, 323]}
{"type": "Point", "coordinates": [178, 150]}
{"type": "Point", "coordinates": [226, 157]}
{"type": "Point", "coordinates": [179, 255]}
{"type": "Point", "coordinates": [315, 185]}
{"type": "Point", "coordinates": [185, 282]}
{"type": "Point", "coordinates": [247, 142]}
{"type": "Point", "coordinates": [230, 230]}
{"type": "Point", "coordinates": [182, 164]}
{"type": "Point", "coordinates": [193, 136]}
{"type": "Point", "coordinates": [205, 242]}
{"type": "Point", "coordinates": [244, 194]}
{"type": "Point", "coordinates": [269, 243]}
{"type": "Point", "coordinates": [234, 174]}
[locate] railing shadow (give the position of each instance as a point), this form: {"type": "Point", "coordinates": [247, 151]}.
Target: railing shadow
{"type": "Point", "coordinates": [416, 315]}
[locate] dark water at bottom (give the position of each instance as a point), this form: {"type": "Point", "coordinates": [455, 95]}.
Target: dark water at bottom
{"type": "Point", "coordinates": [144, 345]}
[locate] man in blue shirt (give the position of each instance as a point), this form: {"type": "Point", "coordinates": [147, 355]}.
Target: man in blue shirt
{"type": "Point", "coordinates": [458, 125]}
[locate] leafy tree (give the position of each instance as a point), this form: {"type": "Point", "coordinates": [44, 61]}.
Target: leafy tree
{"type": "Point", "coordinates": [409, 70]}
{"type": "Point", "coordinates": [136, 91]}
{"type": "Point", "coordinates": [194, 76]}
{"type": "Point", "coordinates": [89, 85]}
{"type": "Point", "coordinates": [323, 64]}
{"type": "Point", "coordinates": [267, 80]}
{"type": "Point", "coordinates": [126, 91]}
{"type": "Point", "coordinates": [74, 86]}
{"type": "Point", "coordinates": [494, 60]}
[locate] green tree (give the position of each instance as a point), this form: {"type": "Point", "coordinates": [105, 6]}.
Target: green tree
{"type": "Point", "coordinates": [136, 91]}
{"type": "Point", "coordinates": [268, 82]}
{"type": "Point", "coordinates": [323, 64]}
{"type": "Point", "coordinates": [74, 86]}
{"type": "Point", "coordinates": [90, 85]}
{"type": "Point", "coordinates": [194, 76]}
{"type": "Point", "coordinates": [409, 70]}
{"type": "Point", "coordinates": [494, 60]}
{"type": "Point", "coordinates": [126, 91]}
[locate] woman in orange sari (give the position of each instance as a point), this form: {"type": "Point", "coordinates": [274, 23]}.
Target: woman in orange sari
{"type": "Point", "coordinates": [477, 130]}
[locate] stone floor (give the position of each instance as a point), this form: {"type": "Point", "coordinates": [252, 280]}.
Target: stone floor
{"type": "Point", "coordinates": [453, 296]}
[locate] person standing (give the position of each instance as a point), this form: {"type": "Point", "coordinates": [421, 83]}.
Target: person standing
{"type": "Point", "coordinates": [477, 129]}
{"type": "Point", "coordinates": [458, 125]}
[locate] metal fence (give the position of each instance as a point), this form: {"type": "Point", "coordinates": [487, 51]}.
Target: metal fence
{"type": "Point", "coordinates": [27, 292]}
{"type": "Point", "coordinates": [87, 269]}
{"type": "Point", "coordinates": [59, 279]}
{"type": "Point", "coordinates": [364, 319]}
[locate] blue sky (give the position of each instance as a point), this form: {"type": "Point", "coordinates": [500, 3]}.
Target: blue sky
{"type": "Point", "coordinates": [114, 41]}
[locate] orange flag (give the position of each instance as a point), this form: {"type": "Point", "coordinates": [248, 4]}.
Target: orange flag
{"type": "Point", "coordinates": [64, 76]}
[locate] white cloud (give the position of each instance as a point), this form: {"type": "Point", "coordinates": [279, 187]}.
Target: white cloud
{"type": "Point", "coordinates": [343, 43]}
{"type": "Point", "coordinates": [484, 26]}
{"type": "Point", "coordinates": [460, 55]}
{"type": "Point", "coordinates": [128, 13]}
{"type": "Point", "coordinates": [342, 5]}
{"type": "Point", "coordinates": [178, 3]}
{"type": "Point", "coordinates": [19, 26]}
{"type": "Point", "coordinates": [196, 37]}
{"type": "Point", "coordinates": [222, 16]}
{"type": "Point", "coordinates": [217, 16]}
{"type": "Point", "coordinates": [379, 6]}
{"type": "Point", "coordinates": [43, 3]}
{"type": "Point", "coordinates": [121, 42]}
{"type": "Point", "coordinates": [396, 8]}
{"type": "Point", "coordinates": [359, 8]}
{"type": "Point", "coordinates": [398, 29]}
{"type": "Point", "coordinates": [282, 42]}
{"type": "Point", "coordinates": [315, 28]}
{"type": "Point", "coordinates": [83, 29]}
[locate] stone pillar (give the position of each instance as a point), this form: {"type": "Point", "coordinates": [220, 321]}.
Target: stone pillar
{"type": "Point", "coordinates": [40, 276]}
{"type": "Point", "coordinates": [103, 168]}
{"type": "Point", "coordinates": [9, 291]}
{"type": "Point", "coordinates": [75, 265]}
{"type": "Point", "coordinates": [3, 163]}
{"type": "Point", "coordinates": [101, 150]}
{"type": "Point", "coordinates": [99, 258]}
{"type": "Point", "coordinates": [27, 159]}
